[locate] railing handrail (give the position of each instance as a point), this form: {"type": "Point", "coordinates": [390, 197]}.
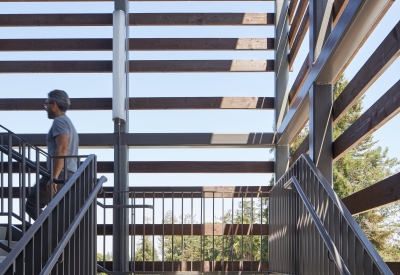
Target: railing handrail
{"type": "Point", "coordinates": [358, 232]}
{"type": "Point", "coordinates": [71, 229]}
{"type": "Point", "coordinates": [349, 218]}
{"type": "Point", "coordinates": [18, 157]}
{"type": "Point", "coordinates": [321, 228]}
{"type": "Point", "coordinates": [21, 139]}
{"type": "Point", "coordinates": [8, 261]}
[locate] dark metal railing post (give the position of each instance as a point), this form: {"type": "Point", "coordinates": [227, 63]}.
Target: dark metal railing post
{"type": "Point", "coordinates": [10, 189]}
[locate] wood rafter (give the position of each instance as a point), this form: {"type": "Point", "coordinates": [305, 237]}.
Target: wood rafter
{"type": "Point", "coordinates": [296, 22]}
{"type": "Point", "coordinates": [299, 81]}
{"type": "Point", "coordinates": [138, 66]}
{"type": "Point", "coordinates": [163, 139]}
{"type": "Point", "coordinates": [379, 61]}
{"type": "Point", "coordinates": [382, 193]}
{"type": "Point", "coordinates": [182, 167]}
{"type": "Point", "coordinates": [294, 50]}
{"type": "Point", "coordinates": [146, 103]}
{"type": "Point", "coordinates": [138, 19]}
{"type": "Point", "coordinates": [378, 114]}
{"type": "Point", "coordinates": [105, 44]}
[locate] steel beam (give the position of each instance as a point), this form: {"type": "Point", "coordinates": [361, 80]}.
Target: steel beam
{"type": "Point", "coordinates": [245, 140]}
{"type": "Point", "coordinates": [338, 49]}
{"type": "Point", "coordinates": [121, 165]}
{"type": "Point", "coordinates": [281, 81]}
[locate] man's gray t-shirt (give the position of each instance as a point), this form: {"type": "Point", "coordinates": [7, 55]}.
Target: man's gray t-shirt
{"type": "Point", "coordinates": [63, 125]}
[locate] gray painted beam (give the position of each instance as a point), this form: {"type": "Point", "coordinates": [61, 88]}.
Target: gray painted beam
{"type": "Point", "coordinates": [166, 139]}
{"type": "Point", "coordinates": [321, 96]}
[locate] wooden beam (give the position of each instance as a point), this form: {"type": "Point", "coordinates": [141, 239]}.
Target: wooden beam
{"type": "Point", "coordinates": [182, 167]}
{"type": "Point", "coordinates": [163, 139]}
{"type": "Point", "coordinates": [187, 192]}
{"type": "Point", "coordinates": [338, 8]}
{"type": "Point", "coordinates": [138, 66]}
{"type": "Point", "coordinates": [380, 60]}
{"type": "Point", "coordinates": [146, 103]}
{"type": "Point", "coordinates": [292, 9]}
{"type": "Point", "coordinates": [111, 0]}
{"type": "Point", "coordinates": [299, 81]}
{"type": "Point", "coordinates": [302, 149]}
{"type": "Point", "coordinates": [382, 193]}
{"type": "Point", "coordinates": [139, 267]}
{"type": "Point", "coordinates": [394, 267]}
{"type": "Point", "coordinates": [365, 37]}
{"type": "Point", "coordinates": [188, 229]}
{"type": "Point", "coordinates": [298, 18]}
{"type": "Point", "coordinates": [378, 114]}
{"type": "Point", "coordinates": [294, 50]}
{"type": "Point", "coordinates": [138, 19]}
{"type": "Point", "coordinates": [183, 19]}
{"type": "Point", "coordinates": [137, 44]}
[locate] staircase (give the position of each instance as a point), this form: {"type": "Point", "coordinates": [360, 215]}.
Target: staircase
{"type": "Point", "coordinates": [65, 226]}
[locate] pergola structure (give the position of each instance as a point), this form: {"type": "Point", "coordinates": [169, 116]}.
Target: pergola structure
{"type": "Point", "coordinates": [336, 29]}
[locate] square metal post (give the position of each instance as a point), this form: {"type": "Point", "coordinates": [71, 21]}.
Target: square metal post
{"type": "Point", "coordinates": [320, 94]}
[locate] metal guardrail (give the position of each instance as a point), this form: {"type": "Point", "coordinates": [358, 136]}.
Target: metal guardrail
{"type": "Point", "coordinates": [295, 244]}
{"type": "Point", "coordinates": [341, 266]}
{"type": "Point", "coordinates": [20, 165]}
{"type": "Point", "coordinates": [31, 254]}
{"type": "Point", "coordinates": [195, 230]}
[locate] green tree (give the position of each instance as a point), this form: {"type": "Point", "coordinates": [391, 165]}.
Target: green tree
{"type": "Point", "coordinates": [179, 248]}
{"type": "Point", "coordinates": [359, 168]}
{"type": "Point", "coordinates": [145, 251]}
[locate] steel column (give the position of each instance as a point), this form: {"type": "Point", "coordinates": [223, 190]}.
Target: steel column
{"type": "Point", "coordinates": [121, 170]}
{"type": "Point", "coordinates": [320, 96]}
{"type": "Point", "coordinates": [281, 81]}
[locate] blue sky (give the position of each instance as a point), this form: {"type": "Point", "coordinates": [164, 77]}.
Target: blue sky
{"type": "Point", "coordinates": [172, 84]}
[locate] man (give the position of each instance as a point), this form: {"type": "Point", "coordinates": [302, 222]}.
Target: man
{"type": "Point", "coordinates": [62, 140]}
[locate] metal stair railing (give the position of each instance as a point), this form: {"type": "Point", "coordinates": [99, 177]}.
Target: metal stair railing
{"type": "Point", "coordinates": [20, 165]}
{"type": "Point", "coordinates": [67, 226]}
{"type": "Point", "coordinates": [296, 245]}
{"type": "Point", "coordinates": [332, 250]}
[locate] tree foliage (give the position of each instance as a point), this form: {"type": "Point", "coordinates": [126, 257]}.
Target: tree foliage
{"type": "Point", "coordinates": [360, 167]}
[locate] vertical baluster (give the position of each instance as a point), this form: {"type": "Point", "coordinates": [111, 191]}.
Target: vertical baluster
{"type": "Point", "coordinates": [182, 259]}
{"type": "Point", "coordinates": [10, 189]}
{"type": "Point", "coordinates": [172, 237]}
{"type": "Point", "coordinates": [223, 233]}
{"type": "Point", "coordinates": [191, 232]}
{"type": "Point", "coordinates": [359, 257]}
{"type": "Point", "coordinates": [352, 251]}
{"type": "Point", "coordinates": [2, 176]}
{"type": "Point", "coordinates": [153, 230]}
{"type": "Point", "coordinates": [163, 233]}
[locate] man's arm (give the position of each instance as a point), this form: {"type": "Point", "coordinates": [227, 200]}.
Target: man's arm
{"type": "Point", "coordinates": [62, 142]}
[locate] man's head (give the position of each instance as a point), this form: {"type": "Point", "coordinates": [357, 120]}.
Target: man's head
{"type": "Point", "coordinates": [57, 103]}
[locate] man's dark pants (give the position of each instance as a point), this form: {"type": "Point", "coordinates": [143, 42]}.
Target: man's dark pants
{"type": "Point", "coordinates": [44, 196]}
{"type": "Point", "coordinates": [57, 222]}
